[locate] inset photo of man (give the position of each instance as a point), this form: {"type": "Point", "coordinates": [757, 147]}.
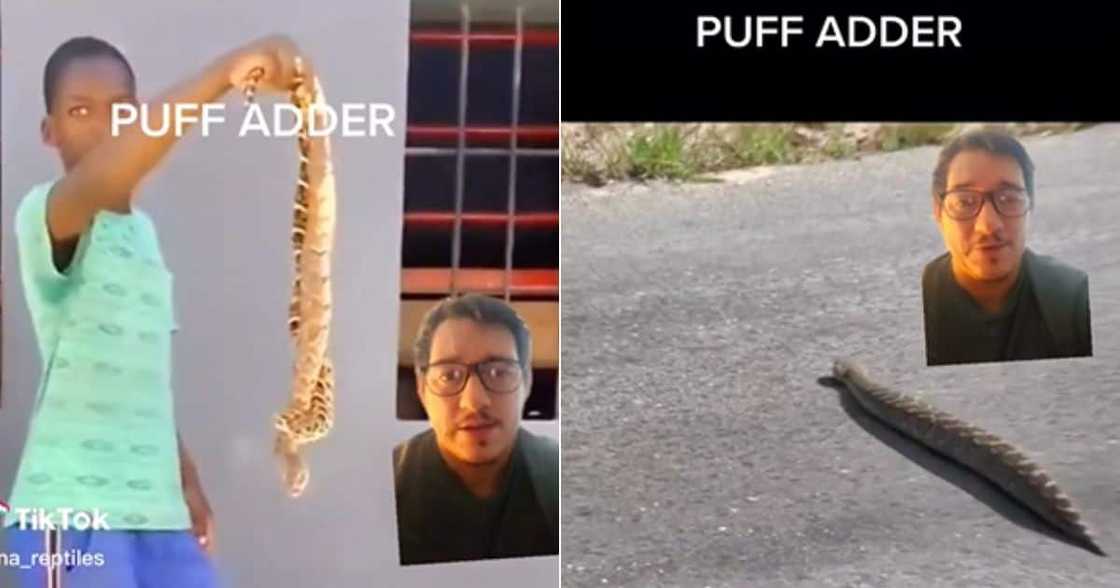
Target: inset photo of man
{"type": "Point", "coordinates": [476, 461]}
{"type": "Point", "coordinates": [476, 484]}
{"type": "Point", "coordinates": [990, 297]}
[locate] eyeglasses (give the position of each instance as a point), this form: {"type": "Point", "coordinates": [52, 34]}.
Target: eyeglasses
{"type": "Point", "coordinates": [966, 204]}
{"type": "Point", "coordinates": [500, 376]}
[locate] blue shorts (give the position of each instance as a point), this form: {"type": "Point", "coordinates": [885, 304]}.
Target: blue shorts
{"type": "Point", "coordinates": [109, 559]}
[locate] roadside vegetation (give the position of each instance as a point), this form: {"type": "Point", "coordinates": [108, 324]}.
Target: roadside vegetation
{"type": "Point", "coordinates": [600, 153]}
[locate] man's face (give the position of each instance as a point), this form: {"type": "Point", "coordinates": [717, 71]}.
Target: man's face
{"type": "Point", "coordinates": [990, 246]}
{"type": "Point", "coordinates": [476, 426]}
{"type": "Point", "coordinates": [81, 109]}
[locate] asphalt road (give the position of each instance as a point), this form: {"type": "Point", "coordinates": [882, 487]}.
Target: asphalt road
{"type": "Point", "coordinates": [699, 448]}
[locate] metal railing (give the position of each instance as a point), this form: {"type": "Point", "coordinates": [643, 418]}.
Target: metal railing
{"type": "Point", "coordinates": [463, 140]}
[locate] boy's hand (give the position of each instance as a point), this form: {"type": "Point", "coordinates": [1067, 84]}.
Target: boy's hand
{"type": "Point", "coordinates": [274, 54]}
{"type": "Point", "coordinates": [202, 518]}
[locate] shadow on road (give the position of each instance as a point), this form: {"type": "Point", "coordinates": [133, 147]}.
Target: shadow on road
{"type": "Point", "coordinates": [950, 471]}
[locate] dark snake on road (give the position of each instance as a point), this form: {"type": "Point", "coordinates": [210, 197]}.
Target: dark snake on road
{"type": "Point", "coordinates": [985, 454]}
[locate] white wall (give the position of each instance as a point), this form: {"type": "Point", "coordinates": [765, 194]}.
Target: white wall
{"type": "Point", "coordinates": [222, 205]}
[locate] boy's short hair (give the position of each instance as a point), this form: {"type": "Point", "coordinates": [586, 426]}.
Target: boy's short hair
{"type": "Point", "coordinates": [74, 49]}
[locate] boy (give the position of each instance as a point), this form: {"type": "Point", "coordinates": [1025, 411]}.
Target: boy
{"type": "Point", "coordinates": [102, 439]}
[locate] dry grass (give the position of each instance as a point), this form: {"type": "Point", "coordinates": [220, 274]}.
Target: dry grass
{"type": "Point", "coordinates": [600, 153]}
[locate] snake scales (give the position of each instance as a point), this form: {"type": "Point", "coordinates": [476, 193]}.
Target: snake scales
{"type": "Point", "coordinates": [984, 453]}
{"type": "Point", "coordinates": [309, 415]}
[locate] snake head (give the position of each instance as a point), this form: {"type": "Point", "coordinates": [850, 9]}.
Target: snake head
{"type": "Point", "coordinates": [292, 468]}
{"type": "Point", "coordinates": [847, 368]}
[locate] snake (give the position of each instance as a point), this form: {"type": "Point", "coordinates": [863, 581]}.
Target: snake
{"type": "Point", "coordinates": [309, 414]}
{"type": "Point", "coordinates": [987, 455]}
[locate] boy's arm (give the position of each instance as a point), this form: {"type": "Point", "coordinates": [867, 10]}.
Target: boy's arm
{"type": "Point", "coordinates": [106, 177]}
{"type": "Point", "coordinates": [186, 465]}
{"type": "Point", "coordinates": [202, 518]}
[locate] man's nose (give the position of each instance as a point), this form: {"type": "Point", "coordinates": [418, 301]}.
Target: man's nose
{"type": "Point", "coordinates": [475, 396]}
{"type": "Point", "coordinates": [989, 220]}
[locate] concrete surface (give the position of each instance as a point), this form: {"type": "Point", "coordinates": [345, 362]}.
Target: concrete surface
{"type": "Point", "coordinates": [699, 448]}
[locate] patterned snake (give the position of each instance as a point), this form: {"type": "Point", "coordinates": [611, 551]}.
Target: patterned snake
{"type": "Point", "coordinates": [984, 453]}
{"type": "Point", "coordinates": [309, 415]}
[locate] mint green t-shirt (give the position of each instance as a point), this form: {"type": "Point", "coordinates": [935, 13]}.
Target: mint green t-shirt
{"type": "Point", "coordinates": [102, 437]}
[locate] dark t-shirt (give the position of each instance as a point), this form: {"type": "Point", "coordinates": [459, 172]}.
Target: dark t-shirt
{"type": "Point", "coordinates": [439, 520]}
{"type": "Point", "coordinates": [958, 330]}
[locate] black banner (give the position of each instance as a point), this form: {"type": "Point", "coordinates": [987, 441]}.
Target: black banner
{"type": "Point", "coordinates": [743, 61]}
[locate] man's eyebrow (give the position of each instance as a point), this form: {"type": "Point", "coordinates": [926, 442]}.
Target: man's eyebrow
{"type": "Point", "coordinates": [972, 185]}
{"type": "Point", "coordinates": [457, 359]}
